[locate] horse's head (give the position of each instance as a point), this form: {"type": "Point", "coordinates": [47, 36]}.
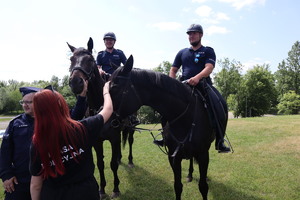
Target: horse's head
{"type": "Point", "coordinates": [123, 93]}
{"type": "Point", "coordinates": [83, 66]}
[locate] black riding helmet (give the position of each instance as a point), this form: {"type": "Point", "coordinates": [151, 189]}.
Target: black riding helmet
{"type": "Point", "coordinates": [109, 35]}
{"type": "Point", "coordinates": [195, 28]}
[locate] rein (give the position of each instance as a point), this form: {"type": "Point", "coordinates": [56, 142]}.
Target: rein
{"type": "Point", "coordinates": [191, 131]}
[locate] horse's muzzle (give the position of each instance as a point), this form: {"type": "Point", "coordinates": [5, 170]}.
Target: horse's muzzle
{"type": "Point", "coordinates": [76, 85]}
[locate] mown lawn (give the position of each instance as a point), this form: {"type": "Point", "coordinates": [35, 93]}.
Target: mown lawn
{"type": "Point", "coordinates": [264, 165]}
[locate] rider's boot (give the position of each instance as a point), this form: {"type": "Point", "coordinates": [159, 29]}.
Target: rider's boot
{"type": "Point", "coordinates": [221, 147]}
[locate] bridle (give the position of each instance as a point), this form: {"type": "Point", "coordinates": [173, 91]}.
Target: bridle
{"type": "Point", "coordinates": [86, 73]}
{"type": "Point", "coordinates": [115, 122]}
{"type": "Point", "coordinates": [188, 137]}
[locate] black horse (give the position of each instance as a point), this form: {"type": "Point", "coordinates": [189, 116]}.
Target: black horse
{"type": "Point", "coordinates": [188, 133]}
{"type": "Point", "coordinates": [83, 67]}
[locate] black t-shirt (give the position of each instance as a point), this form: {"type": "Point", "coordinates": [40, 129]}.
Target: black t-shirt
{"type": "Point", "coordinates": [75, 171]}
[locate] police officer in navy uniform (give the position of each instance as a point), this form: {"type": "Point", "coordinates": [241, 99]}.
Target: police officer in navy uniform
{"type": "Point", "coordinates": [197, 64]}
{"type": "Point", "coordinates": [110, 55]}
{"type": "Point", "coordinates": [14, 154]}
{"type": "Point", "coordinates": [108, 60]}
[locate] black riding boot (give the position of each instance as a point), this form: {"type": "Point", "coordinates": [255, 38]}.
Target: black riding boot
{"type": "Point", "coordinates": [221, 147]}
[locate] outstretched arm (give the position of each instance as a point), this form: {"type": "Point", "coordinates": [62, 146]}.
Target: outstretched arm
{"type": "Point", "coordinates": [107, 106]}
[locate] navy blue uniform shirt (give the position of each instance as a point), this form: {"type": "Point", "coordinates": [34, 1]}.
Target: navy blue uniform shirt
{"type": "Point", "coordinates": [193, 62]}
{"type": "Point", "coordinates": [14, 154]}
{"type": "Point", "coordinates": [104, 59]}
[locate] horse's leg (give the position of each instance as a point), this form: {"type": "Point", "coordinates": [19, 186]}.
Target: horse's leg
{"type": "Point", "coordinates": [191, 170]}
{"type": "Point", "coordinates": [203, 166]}
{"type": "Point", "coordinates": [176, 167]}
{"type": "Point", "coordinates": [98, 146]}
{"type": "Point", "coordinates": [130, 141]}
{"type": "Point", "coordinates": [114, 163]}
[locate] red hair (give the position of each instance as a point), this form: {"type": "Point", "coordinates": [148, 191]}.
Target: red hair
{"type": "Point", "coordinates": [53, 129]}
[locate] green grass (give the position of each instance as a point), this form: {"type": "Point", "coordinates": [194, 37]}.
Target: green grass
{"type": "Point", "coordinates": [264, 166]}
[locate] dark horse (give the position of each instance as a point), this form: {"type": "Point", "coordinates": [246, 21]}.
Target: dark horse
{"type": "Point", "coordinates": [83, 67]}
{"type": "Point", "coordinates": [187, 128]}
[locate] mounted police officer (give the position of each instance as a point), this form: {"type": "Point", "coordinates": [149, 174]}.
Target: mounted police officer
{"type": "Point", "coordinates": [110, 55]}
{"type": "Point", "coordinates": [197, 64]}
{"type": "Point", "coordinates": [109, 59]}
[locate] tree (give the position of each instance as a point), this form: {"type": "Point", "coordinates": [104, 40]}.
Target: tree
{"type": "Point", "coordinates": [256, 92]}
{"type": "Point", "coordinates": [227, 81]}
{"type": "Point", "coordinates": [165, 67]}
{"type": "Point", "coordinates": [288, 73]}
{"type": "Point", "coordinates": [289, 103]}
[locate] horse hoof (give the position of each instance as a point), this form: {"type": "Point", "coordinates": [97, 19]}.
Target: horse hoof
{"type": "Point", "coordinates": [130, 165]}
{"type": "Point", "coordinates": [115, 195]}
{"type": "Point", "coordinates": [103, 196]}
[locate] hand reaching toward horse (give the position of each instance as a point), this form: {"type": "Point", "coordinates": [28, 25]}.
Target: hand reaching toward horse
{"type": "Point", "coordinates": [107, 106]}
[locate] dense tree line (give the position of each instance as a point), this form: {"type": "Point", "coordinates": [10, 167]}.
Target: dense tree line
{"type": "Point", "coordinates": [258, 91]}
{"type": "Point", "coordinates": [254, 93]}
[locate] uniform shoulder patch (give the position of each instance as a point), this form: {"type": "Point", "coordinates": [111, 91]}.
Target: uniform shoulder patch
{"type": "Point", "coordinates": [17, 117]}
{"type": "Point", "coordinates": [210, 48]}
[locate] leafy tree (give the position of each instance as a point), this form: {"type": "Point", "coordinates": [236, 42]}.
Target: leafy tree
{"type": "Point", "coordinates": [165, 67]}
{"type": "Point", "coordinates": [3, 99]}
{"type": "Point", "coordinates": [12, 101]}
{"type": "Point", "coordinates": [55, 82]}
{"type": "Point", "coordinates": [227, 81]}
{"type": "Point", "coordinates": [288, 73]}
{"type": "Point", "coordinates": [293, 61]}
{"type": "Point", "coordinates": [289, 103]}
{"type": "Point", "coordinates": [256, 93]}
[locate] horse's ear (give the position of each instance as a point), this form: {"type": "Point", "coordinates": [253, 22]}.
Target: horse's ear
{"type": "Point", "coordinates": [113, 65]}
{"type": "Point", "coordinates": [71, 47]}
{"type": "Point", "coordinates": [90, 45]}
{"type": "Point", "coordinates": [128, 65]}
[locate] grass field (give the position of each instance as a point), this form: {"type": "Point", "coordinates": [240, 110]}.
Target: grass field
{"type": "Point", "coordinates": [264, 166]}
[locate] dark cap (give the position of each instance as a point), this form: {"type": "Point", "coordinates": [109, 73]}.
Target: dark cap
{"type": "Point", "coordinates": [27, 90]}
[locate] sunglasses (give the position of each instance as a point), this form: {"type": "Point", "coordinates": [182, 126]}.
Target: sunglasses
{"type": "Point", "coordinates": [197, 56]}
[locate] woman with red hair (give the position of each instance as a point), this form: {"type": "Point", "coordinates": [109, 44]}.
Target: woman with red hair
{"type": "Point", "coordinates": [61, 160]}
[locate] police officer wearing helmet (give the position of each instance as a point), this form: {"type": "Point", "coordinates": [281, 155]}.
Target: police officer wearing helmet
{"type": "Point", "coordinates": [197, 64]}
{"type": "Point", "coordinates": [14, 154]}
{"type": "Point", "coordinates": [110, 55]}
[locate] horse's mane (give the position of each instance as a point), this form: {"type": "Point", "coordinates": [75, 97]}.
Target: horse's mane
{"type": "Point", "coordinates": [159, 81]}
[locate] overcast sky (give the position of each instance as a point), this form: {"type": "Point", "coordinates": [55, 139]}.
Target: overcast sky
{"type": "Point", "coordinates": [34, 33]}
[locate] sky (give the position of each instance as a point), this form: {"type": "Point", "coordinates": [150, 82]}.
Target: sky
{"type": "Point", "coordinates": [34, 33]}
